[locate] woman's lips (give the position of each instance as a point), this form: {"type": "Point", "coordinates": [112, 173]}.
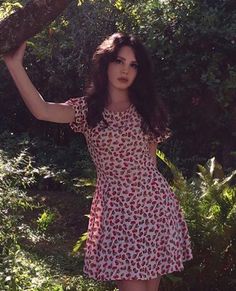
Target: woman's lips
{"type": "Point", "coordinates": [123, 80]}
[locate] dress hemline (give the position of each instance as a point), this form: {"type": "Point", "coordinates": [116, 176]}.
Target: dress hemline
{"type": "Point", "coordinates": [117, 278]}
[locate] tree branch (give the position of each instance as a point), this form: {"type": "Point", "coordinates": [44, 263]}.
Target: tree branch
{"type": "Point", "coordinates": [28, 21]}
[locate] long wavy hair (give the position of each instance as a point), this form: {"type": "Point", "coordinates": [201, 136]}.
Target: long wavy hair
{"type": "Point", "coordinates": [141, 93]}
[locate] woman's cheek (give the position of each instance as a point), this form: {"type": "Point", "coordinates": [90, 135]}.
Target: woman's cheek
{"type": "Point", "coordinates": [134, 77]}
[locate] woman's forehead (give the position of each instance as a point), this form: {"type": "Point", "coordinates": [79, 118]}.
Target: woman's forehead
{"type": "Point", "coordinates": [127, 53]}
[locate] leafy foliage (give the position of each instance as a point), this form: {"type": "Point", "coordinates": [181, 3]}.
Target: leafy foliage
{"type": "Point", "coordinates": [192, 49]}
{"type": "Point", "coordinates": [45, 219]}
{"type": "Point", "coordinates": [209, 203]}
{"type": "Point", "coordinates": [16, 268]}
{"type": "Point", "coordinates": [8, 7]}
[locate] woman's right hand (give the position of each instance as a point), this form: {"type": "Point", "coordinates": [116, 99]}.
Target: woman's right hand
{"type": "Point", "coordinates": [15, 56]}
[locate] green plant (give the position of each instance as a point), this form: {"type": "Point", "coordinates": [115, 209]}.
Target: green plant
{"type": "Point", "coordinates": [18, 269]}
{"type": "Point", "coordinates": [45, 219]}
{"type": "Point", "coordinates": [209, 202]}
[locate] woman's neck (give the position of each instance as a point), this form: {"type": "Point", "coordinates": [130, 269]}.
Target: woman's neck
{"type": "Point", "coordinates": [118, 102]}
{"type": "Point", "coordinates": [118, 97]}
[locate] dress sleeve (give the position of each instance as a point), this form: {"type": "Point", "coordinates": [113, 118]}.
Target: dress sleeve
{"type": "Point", "coordinates": [79, 105]}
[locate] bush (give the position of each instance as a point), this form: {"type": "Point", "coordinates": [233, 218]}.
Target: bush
{"type": "Point", "coordinates": [209, 203]}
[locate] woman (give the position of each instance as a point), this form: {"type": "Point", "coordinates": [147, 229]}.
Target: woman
{"type": "Point", "coordinates": [136, 229]}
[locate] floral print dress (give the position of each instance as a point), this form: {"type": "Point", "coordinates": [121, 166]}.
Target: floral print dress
{"type": "Point", "coordinates": [136, 228]}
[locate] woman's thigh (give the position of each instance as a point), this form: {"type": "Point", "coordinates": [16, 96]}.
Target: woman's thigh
{"type": "Point", "coordinates": [132, 285]}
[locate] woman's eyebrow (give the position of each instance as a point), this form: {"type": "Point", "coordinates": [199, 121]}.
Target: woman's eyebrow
{"type": "Point", "coordinates": [124, 59]}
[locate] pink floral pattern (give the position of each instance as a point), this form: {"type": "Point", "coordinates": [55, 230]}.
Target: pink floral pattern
{"type": "Point", "coordinates": [136, 227]}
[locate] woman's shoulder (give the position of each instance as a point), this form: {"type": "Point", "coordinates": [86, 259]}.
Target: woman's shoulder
{"type": "Point", "coordinates": [79, 105]}
{"type": "Point", "coordinates": [78, 99]}
{"type": "Point", "coordinates": [78, 102]}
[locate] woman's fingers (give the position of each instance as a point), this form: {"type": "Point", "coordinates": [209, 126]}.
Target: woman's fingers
{"type": "Point", "coordinates": [16, 55]}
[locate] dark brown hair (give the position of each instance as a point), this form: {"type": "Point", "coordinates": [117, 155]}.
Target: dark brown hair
{"type": "Point", "coordinates": [141, 92]}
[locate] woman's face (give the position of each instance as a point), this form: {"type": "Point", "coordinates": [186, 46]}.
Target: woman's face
{"type": "Point", "coordinates": [122, 71]}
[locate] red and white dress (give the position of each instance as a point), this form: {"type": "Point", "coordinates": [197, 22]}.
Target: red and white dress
{"type": "Point", "coordinates": [136, 227]}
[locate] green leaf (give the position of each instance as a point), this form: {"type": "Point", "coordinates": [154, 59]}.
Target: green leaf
{"type": "Point", "coordinates": [80, 243]}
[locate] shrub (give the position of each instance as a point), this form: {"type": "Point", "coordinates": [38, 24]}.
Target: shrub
{"type": "Point", "coordinates": [209, 203]}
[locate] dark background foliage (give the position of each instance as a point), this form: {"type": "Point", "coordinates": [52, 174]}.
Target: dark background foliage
{"type": "Point", "coordinates": [192, 44]}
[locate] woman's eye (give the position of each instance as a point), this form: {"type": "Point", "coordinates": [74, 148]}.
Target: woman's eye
{"type": "Point", "coordinates": [118, 61]}
{"type": "Point", "coordinates": [135, 66]}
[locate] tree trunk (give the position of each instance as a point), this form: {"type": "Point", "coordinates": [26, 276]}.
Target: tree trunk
{"type": "Point", "coordinates": [28, 21]}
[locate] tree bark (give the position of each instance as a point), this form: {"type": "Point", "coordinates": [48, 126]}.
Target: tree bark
{"type": "Point", "coordinates": [28, 21]}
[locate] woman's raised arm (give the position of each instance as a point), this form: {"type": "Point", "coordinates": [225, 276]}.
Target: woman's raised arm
{"type": "Point", "coordinates": [48, 111]}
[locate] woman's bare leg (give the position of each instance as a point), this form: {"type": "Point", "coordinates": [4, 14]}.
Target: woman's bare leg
{"type": "Point", "coordinates": [153, 284]}
{"type": "Point", "coordinates": [132, 285]}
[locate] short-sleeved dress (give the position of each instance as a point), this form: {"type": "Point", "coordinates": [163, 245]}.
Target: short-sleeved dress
{"type": "Point", "coordinates": [136, 228]}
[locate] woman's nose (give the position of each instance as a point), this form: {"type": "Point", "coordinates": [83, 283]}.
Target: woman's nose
{"type": "Point", "coordinates": [125, 69]}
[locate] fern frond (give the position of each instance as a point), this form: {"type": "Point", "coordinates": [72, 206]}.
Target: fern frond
{"type": "Point", "coordinates": [179, 181]}
{"type": "Point", "coordinates": [80, 243]}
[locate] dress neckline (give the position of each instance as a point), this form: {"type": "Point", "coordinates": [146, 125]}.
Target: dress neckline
{"type": "Point", "coordinates": [118, 112]}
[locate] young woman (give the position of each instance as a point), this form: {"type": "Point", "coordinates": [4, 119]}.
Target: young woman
{"type": "Point", "coordinates": [136, 229]}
